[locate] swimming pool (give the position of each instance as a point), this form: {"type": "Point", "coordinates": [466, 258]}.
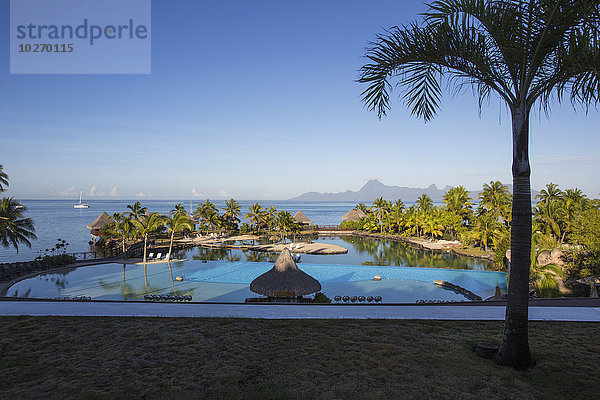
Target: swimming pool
{"type": "Point", "coordinates": [223, 281]}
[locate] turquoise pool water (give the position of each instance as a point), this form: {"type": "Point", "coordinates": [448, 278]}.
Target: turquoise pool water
{"type": "Point", "coordinates": [223, 281]}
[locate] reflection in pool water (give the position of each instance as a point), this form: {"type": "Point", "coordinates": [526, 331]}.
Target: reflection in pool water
{"type": "Point", "coordinates": [360, 249]}
{"type": "Point", "coordinates": [225, 281]}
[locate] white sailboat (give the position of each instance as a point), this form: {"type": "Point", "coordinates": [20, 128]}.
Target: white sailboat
{"type": "Point", "coordinates": [81, 205]}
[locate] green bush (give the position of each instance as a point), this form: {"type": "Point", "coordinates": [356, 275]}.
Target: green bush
{"type": "Point", "coordinates": [245, 228]}
{"type": "Point", "coordinates": [321, 298]}
{"type": "Point", "coordinates": [351, 225]}
{"type": "Point", "coordinates": [581, 264]}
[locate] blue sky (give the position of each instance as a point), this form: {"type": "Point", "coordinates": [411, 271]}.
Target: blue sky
{"type": "Point", "coordinates": [258, 100]}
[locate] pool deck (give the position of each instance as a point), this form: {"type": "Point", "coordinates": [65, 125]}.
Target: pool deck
{"type": "Point", "coordinates": [588, 311]}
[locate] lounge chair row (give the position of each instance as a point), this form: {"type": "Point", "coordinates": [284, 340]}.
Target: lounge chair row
{"type": "Point", "coordinates": [361, 299]}
{"type": "Point", "coordinates": [14, 270]}
{"type": "Point", "coordinates": [74, 298]}
{"type": "Point", "coordinates": [159, 256]}
{"type": "Point", "coordinates": [167, 297]}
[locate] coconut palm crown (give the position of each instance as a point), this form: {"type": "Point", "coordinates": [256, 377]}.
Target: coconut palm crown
{"type": "Point", "coordinates": [14, 227]}
{"type": "Point", "coordinates": [525, 51]}
{"type": "Point", "coordinates": [3, 180]}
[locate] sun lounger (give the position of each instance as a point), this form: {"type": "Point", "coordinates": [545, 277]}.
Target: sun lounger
{"type": "Point", "coordinates": [158, 256]}
{"type": "Point", "coordinates": [150, 255]}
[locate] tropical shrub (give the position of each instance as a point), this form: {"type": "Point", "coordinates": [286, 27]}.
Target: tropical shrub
{"type": "Point", "coordinates": [351, 225]}
{"type": "Point", "coordinates": [321, 298]}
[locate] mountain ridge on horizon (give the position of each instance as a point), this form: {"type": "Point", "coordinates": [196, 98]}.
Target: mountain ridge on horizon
{"type": "Point", "coordinates": [374, 189]}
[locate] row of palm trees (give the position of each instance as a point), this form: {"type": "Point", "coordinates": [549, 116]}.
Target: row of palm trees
{"type": "Point", "coordinates": [486, 224]}
{"type": "Point", "coordinates": [260, 219]}
{"type": "Point", "coordinates": [139, 223]}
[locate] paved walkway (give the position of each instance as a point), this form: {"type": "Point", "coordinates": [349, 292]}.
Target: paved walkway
{"type": "Point", "coordinates": [435, 312]}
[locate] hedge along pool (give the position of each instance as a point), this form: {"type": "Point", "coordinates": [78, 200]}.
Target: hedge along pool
{"type": "Point", "coordinates": [225, 281]}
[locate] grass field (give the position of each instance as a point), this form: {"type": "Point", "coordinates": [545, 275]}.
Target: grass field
{"type": "Point", "coordinates": [91, 357]}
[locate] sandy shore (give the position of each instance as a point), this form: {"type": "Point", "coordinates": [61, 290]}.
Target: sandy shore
{"type": "Point", "coordinates": [305, 248]}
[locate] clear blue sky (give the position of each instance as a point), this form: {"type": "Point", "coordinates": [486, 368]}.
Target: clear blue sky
{"type": "Point", "coordinates": [258, 100]}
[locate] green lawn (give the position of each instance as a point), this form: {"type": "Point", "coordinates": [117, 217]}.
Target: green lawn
{"type": "Point", "coordinates": [57, 357]}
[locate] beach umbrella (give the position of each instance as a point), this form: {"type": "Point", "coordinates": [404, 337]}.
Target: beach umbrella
{"type": "Point", "coordinates": [285, 279]}
{"type": "Point", "coordinates": [301, 218]}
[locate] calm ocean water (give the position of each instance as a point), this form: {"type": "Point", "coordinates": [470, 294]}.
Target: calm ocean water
{"type": "Point", "coordinates": [57, 219]}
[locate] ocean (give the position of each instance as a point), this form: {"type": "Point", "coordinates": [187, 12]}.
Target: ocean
{"type": "Point", "coordinates": [57, 219]}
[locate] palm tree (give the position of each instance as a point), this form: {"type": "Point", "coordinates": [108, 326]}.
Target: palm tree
{"type": "Point", "coordinates": [458, 201]}
{"type": "Point", "coordinates": [486, 229]}
{"type": "Point", "coordinates": [362, 207]}
{"type": "Point", "coordinates": [231, 214]}
{"type": "Point", "coordinates": [573, 203]}
{"type": "Point", "coordinates": [495, 198]}
{"type": "Point", "coordinates": [256, 214]}
{"type": "Point", "coordinates": [3, 180]}
{"type": "Point", "coordinates": [232, 209]}
{"type": "Point", "coordinates": [285, 223]}
{"type": "Point", "coordinates": [271, 217]}
{"type": "Point", "coordinates": [136, 210]}
{"type": "Point", "coordinates": [381, 209]}
{"type": "Point", "coordinates": [206, 214]}
{"type": "Point", "coordinates": [550, 194]}
{"type": "Point", "coordinates": [178, 222]}
{"type": "Point", "coordinates": [527, 52]}
{"type": "Point", "coordinates": [150, 223]}
{"type": "Point", "coordinates": [548, 217]}
{"type": "Point", "coordinates": [432, 225]}
{"type": "Point", "coordinates": [14, 227]}
{"type": "Point", "coordinates": [123, 228]}
{"type": "Point", "coordinates": [179, 208]}
{"type": "Point", "coordinates": [424, 203]}
{"type": "Point", "coordinates": [543, 277]}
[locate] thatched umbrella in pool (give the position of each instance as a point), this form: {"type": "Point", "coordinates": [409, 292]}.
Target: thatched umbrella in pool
{"type": "Point", "coordinates": [353, 215]}
{"type": "Point", "coordinates": [99, 223]}
{"type": "Point", "coordinates": [285, 279]}
{"type": "Point", "coordinates": [301, 218]}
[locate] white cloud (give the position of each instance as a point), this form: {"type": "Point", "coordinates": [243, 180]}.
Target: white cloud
{"type": "Point", "coordinates": [143, 194]}
{"type": "Point", "coordinates": [223, 193]}
{"type": "Point", "coordinates": [95, 192]}
{"type": "Point", "coordinates": [196, 193]}
{"type": "Point", "coordinates": [70, 191]}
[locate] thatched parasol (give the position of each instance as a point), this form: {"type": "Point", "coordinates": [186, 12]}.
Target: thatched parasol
{"type": "Point", "coordinates": [100, 222]}
{"type": "Point", "coordinates": [301, 218]}
{"type": "Point", "coordinates": [353, 215]}
{"type": "Point", "coordinates": [285, 279]}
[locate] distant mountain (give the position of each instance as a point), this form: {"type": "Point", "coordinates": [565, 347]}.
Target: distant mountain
{"type": "Point", "coordinates": [374, 189]}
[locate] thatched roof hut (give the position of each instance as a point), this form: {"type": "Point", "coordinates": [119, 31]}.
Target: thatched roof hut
{"type": "Point", "coordinates": [301, 218]}
{"type": "Point", "coordinates": [353, 215]}
{"type": "Point", "coordinates": [99, 223]}
{"type": "Point", "coordinates": [285, 279]}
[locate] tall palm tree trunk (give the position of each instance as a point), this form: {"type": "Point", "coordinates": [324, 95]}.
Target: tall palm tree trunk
{"type": "Point", "coordinates": [145, 243]}
{"type": "Point", "coordinates": [170, 246]}
{"type": "Point", "coordinates": [514, 350]}
{"type": "Point", "coordinates": [124, 249]}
